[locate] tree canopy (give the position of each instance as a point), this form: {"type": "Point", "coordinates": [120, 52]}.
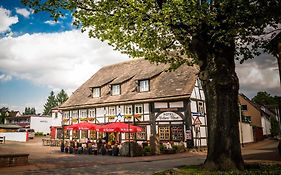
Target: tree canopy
{"type": "Point", "coordinates": [29, 111]}
{"type": "Point", "coordinates": [54, 101]}
{"type": "Point", "coordinates": [154, 29]}
{"type": "Point", "coordinates": [61, 97]}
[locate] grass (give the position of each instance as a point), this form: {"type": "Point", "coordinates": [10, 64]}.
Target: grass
{"type": "Point", "coordinates": [250, 169]}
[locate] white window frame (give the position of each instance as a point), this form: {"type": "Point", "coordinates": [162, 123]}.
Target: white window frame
{"type": "Point", "coordinates": [92, 113]}
{"type": "Point", "coordinates": [83, 113]}
{"type": "Point", "coordinates": [116, 89]}
{"type": "Point", "coordinates": [128, 109]}
{"type": "Point", "coordinates": [111, 110]}
{"type": "Point", "coordinates": [201, 107]}
{"type": "Point", "coordinates": [138, 109]}
{"type": "Point", "coordinates": [144, 85]}
{"type": "Point", "coordinates": [96, 92]}
{"type": "Point", "coordinates": [74, 114]}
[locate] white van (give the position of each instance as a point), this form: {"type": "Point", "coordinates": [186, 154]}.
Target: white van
{"type": "Point", "coordinates": [31, 132]}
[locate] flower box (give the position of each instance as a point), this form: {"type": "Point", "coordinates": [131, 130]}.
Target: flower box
{"type": "Point", "coordinates": [138, 116]}
{"type": "Point", "coordinates": [111, 117]}
{"type": "Point", "coordinates": [128, 116]}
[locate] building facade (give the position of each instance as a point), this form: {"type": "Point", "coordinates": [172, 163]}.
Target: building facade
{"type": "Point", "coordinates": [168, 105]}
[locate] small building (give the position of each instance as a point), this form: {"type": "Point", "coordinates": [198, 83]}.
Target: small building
{"type": "Point", "coordinates": [168, 105]}
{"type": "Point", "coordinates": [252, 114]}
{"type": "Point", "coordinates": [36, 122]}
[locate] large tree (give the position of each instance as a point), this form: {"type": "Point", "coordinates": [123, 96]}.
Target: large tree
{"type": "Point", "coordinates": [61, 97]}
{"type": "Point", "coordinates": [211, 33]}
{"type": "Point", "coordinates": [51, 103]}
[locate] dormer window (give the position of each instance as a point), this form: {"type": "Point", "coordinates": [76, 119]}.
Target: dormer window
{"type": "Point", "coordinates": [96, 92]}
{"type": "Point", "coordinates": [115, 89]}
{"type": "Point", "coordinates": [144, 85]}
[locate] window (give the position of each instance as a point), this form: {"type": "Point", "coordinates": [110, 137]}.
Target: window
{"type": "Point", "coordinates": [200, 107]}
{"type": "Point", "coordinates": [128, 109]}
{"type": "Point", "coordinates": [111, 110]}
{"type": "Point", "coordinates": [246, 119]}
{"type": "Point", "coordinates": [144, 85]}
{"type": "Point", "coordinates": [74, 114]}
{"type": "Point", "coordinates": [138, 109]}
{"type": "Point", "coordinates": [244, 108]}
{"type": "Point", "coordinates": [177, 132]}
{"type": "Point", "coordinates": [96, 92]}
{"type": "Point", "coordinates": [115, 89]}
{"type": "Point", "coordinates": [141, 135]}
{"type": "Point", "coordinates": [84, 134]}
{"type": "Point", "coordinates": [92, 113]}
{"type": "Point", "coordinates": [83, 113]}
{"type": "Point", "coordinates": [164, 132]}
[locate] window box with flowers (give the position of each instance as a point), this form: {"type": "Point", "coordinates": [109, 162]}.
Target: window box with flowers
{"type": "Point", "coordinates": [84, 119]}
{"type": "Point", "coordinates": [65, 120]}
{"type": "Point", "coordinates": [111, 117]}
{"type": "Point", "coordinates": [137, 116]}
{"type": "Point", "coordinates": [128, 116]}
{"type": "Point", "coordinates": [74, 120]}
{"type": "Point", "coordinates": [91, 119]}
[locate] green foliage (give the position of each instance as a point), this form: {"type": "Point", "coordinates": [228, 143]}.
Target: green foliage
{"type": "Point", "coordinates": [51, 103]}
{"type": "Point", "coordinates": [29, 111]}
{"type": "Point", "coordinates": [61, 97]}
{"type": "Point", "coordinates": [39, 134]}
{"type": "Point", "coordinates": [147, 149]}
{"type": "Point", "coordinates": [167, 31]}
{"type": "Point", "coordinates": [54, 101]}
{"type": "Point", "coordinates": [3, 114]}
{"type": "Point", "coordinates": [275, 128]}
{"type": "Point", "coordinates": [264, 98]}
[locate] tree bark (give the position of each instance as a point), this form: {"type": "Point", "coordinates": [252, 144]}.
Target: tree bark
{"type": "Point", "coordinates": [221, 85]}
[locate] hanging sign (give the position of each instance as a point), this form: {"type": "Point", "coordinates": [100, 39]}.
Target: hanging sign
{"type": "Point", "coordinates": [168, 116]}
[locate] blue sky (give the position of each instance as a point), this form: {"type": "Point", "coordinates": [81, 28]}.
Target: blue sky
{"type": "Point", "coordinates": [38, 55]}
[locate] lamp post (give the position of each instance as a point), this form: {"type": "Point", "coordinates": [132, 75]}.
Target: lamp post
{"type": "Point", "coordinates": [62, 144]}
{"type": "Point", "coordinates": [241, 130]}
{"type": "Point", "coordinates": [129, 140]}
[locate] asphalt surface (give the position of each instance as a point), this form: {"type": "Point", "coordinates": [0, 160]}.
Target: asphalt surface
{"type": "Point", "coordinates": [49, 160]}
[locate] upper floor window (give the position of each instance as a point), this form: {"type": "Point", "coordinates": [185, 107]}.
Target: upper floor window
{"type": "Point", "coordinates": [200, 107]}
{"type": "Point", "coordinates": [83, 113]}
{"type": "Point", "coordinates": [244, 107]}
{"type": "Point", "coordinates": [111, 110]}
{"type": "Point", "coordinates": [144, 85]}
{"type": "Point", "coordinates": [128, 109]}
{"type": "Point", "coordinates": [96, 92]}
{"type": "Point", "coordinates": [92, 113]}
{"type": "Point", "coordinates": [74, 114]}
{"type": "Point", "coordinates": [138, 109]}
{"type": "Point", "coordinates": [115, 89]}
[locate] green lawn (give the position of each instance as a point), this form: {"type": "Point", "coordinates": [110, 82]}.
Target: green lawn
{"type": "Point", "coordinates": [250, 169]}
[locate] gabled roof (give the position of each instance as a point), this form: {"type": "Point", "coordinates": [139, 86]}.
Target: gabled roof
{"type": "Point", "coordinates": [163, 84]}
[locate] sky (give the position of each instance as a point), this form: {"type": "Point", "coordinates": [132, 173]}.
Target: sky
{"type": "Point", "coordinates": [38, 55]}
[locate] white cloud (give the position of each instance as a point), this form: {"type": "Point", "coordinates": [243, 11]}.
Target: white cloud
{"type": "Point", "coordinates": [50, 22]}
{"type": "Point", "coordinates": [6, 20]}
{"type": "Point", "coordinates": [24, 12]}
{"type": "Point", "coordinates": [259, 74]}
{"type": "Point", "coordinates": [4, 77]}
{"type": "Point", "coordinates": [58, 60]}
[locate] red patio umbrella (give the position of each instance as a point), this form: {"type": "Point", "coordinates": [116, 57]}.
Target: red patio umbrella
{"type": "Point", "coordinates": [119, 127]}
{"type": "Point", "coordinates": [83, 126]}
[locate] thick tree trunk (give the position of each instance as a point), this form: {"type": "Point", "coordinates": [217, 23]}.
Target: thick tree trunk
{"type": "Point", "coordinates": [221, 85]}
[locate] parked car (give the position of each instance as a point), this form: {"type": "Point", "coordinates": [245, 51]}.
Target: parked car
{"type": "Point", "coordinates": [31, 132]}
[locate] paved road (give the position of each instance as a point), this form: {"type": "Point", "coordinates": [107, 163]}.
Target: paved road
{"type": "Point", "coordinates": [136, 168]}
{"type": "Point", "coordinates": [48, 160]}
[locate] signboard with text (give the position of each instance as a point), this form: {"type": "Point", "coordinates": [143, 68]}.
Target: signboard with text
{"type": "Point", "coordinates": [168, 116]}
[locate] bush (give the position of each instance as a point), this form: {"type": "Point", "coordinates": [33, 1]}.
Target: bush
{"type": "Point", "coordinates": [135, 149]}
{"type": "Point", "coordinates": [39, 134]}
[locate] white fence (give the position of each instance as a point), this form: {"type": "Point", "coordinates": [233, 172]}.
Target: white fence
{"type": "Point", "coordinates": [14, 136]}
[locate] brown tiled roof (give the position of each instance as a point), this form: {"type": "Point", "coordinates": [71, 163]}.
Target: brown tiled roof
{"type": "Point", "coordinates": [163, 84]}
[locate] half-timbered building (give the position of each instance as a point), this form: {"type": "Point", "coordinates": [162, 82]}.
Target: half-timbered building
{"type": "Point", "coordinates": [169, 105]}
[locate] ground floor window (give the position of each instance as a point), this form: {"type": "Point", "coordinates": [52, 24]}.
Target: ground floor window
{"type": "Point", "coordinates": [75, 134]}
{"type": "Point", "coordinates": [177, 132]}
{"type": "Point", "coordinates": [93, 135]}
{"type": "Point", "coordinates": [84, 134]}
{"type": "Point", "coordinates": [164, 132]}
{"type": "Point", "coordinates": [141, 135]}
{"type": "Point", "coordinates": [170, 132]}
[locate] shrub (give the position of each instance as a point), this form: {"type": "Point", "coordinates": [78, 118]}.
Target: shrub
{"type": "Point", "coordinates": [39, 133]}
